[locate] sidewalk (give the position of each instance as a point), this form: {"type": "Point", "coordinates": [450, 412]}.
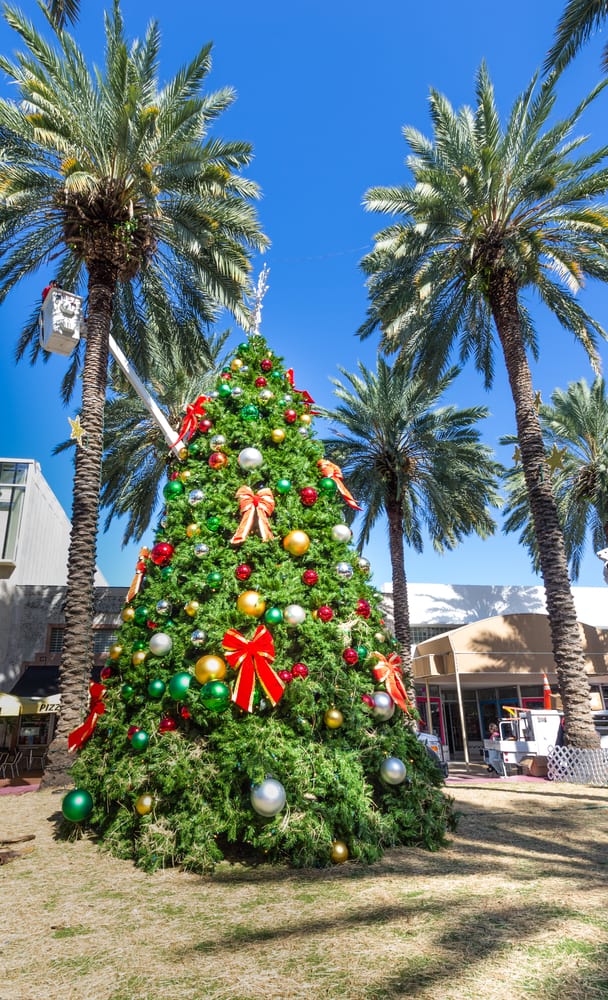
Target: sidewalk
{"type": "Point", "coordinates": [475, 774]}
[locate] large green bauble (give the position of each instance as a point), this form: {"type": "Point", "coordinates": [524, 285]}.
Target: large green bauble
{"type": "Point", "coordinates": [174, 488]}
{"type": "Point", "coordinates": [249, 412]}
{"type": "Point", "coordinates": [284, 485]}
{"type": "Point", "coordinates": [215, 696]}
{"type": "Point", "coordinates": [156, 688]}
{"type": "Point", "coordinates": [224, 390]}
{"type": "Point", "coordinates": [77, 805]}
{"type": "Point", "coordinates": [274, 616]}
{"type": "Point", "coordinates": [140, 740]}
{"type": "Point", "coordinates": [213, 522]}
{"type": "Point", "coordinates": [141, 615]}
{"type": "Point", "coordinates": [214, 579]}
{"type": "Point", "coordinates": [327, 485]}
{"type": "Point", "coordinates": [179, 684]}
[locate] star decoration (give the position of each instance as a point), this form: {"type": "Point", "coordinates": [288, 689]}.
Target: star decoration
{"type": "Point", "coordinates": [556, 457]}
{"type": "Point", "coordinates": [78, 430]}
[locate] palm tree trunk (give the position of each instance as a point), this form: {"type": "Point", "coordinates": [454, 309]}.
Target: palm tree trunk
{"type": "Point", "coordinates": [565, 634]}
{"type": "Point", "coordinates": [401, 608]}
{"type": "Point", "coordinates": [77, 654]}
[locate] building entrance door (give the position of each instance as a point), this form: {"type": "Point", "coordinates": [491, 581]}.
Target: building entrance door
{"type": "Point", "coordinates": [491, 710]}
{"type": "Point", "coordinates": [436, 726]}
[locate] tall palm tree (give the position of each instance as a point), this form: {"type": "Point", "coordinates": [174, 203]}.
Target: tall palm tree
{"type": "Point", "coordinates": [62, 12]}
{"type": "Point", "coordinates": [419, 464]}
{"type": "Point", "coordinates": [118, 181]}
{"type": "Point", "coordinates": [579, 21]}
{"type": "Point", "coordinates": [494, 213]}
{"type": "Point", "coordinates": [575, 428]}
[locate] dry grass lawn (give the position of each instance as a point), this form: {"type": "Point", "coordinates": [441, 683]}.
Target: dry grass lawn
{"type": "Point", "coordinates": [516, 907]}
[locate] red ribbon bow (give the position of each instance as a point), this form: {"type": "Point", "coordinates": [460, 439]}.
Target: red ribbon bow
{"type": "Point", "coordinates": [389, 672]}
{"type": "Point", "coordinates": [79, 736]}
{"type": "Point", "coordinates": [140, 572]}
{"type": "Point", "coordinates": [252, 658]}
{"type": "Point", "coordinates": [301, 392]}
{"type": "Point", "coordinates": [335, 472]}
{"type": "Point", "coordinates": [194, 412]}
{"type": "Point", "coordinates": [261, 502]}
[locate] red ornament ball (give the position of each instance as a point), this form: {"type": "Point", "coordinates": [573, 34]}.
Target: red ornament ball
{"type": "Point", "coordinates": [243, 571]}
{"type": "Point", "coordinates": [131, 730]}
{"type": "Point", "coordinates": [266, 365]}
{"type": "Point", "coordinates": [350, 656]}
{"type": "Point", "coordinates": [286, 676]}
{"type": "Point", "coordinates": [325, 613]}
{"type": "Point", "coordinates": [205, 425]}
{"type": "Point", "coordinates": [173, 476]}
{"type": "Point", "coordinates": [261, 382]}
{"type": "Point", "coordinates": [368, 700]}
{"type": "Point", "coordinates": [290, 416]}
{"type": "Point", "coordinates": [167, 724]}
{"type": "Point", "coordinates": [217, 460]}
{"type": "Point", "coordinates": [299, 670]}
{"type": "Point", "coordinates": [161, 553]}
{"type": "Point", "coordinates": [308, 496]}
{"type": "Point", "coordinates": [105, 673]}
{"type": "Point", "coordinates": [140, 567]}
{"type": "Point", "coordinates": [310, 577]}
{"type": "Point", "coordinates": [363, 609]}
{"type": "Point", "coordinates": [185, 712]}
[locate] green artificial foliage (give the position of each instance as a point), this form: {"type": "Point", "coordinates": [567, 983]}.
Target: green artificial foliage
{"type": "Point", "coordinates": [206, 752]}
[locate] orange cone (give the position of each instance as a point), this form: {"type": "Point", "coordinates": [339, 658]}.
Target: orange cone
{"type": "Point", "coordinates": [546, 692]}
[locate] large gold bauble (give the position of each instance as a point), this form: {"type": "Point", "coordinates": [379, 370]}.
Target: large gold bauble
{"type": "Point", "coordinates": [306, 419]}
{"type": "Point", "coordinates": [251, 603]}
{"type": "Point", "coordinates": [277, 435]}
{"type": "Point", "coordinates": [183, 453]}
{"type": "Point", "coordinates": [339, 852]}
{"type": "Point", "coordinates": [209, 668]}
{"type": "Point", "coordinates": [139, 656]}
{"type": "Point", "coordinates": [192, 530]}
{"type": "Point", "coordinates": [114, 651]}
{"type": "Point", "coordinates": [296, 543]}
{"type": "Point", "coordinates": [144, 804]}
{"type": "Point", "coordinates": [191, 608]}
{"type": "Point", "coordinates": [333, 718]}
{"type": "Point", "coordinates": [235, 364]}
{"type": "Point", "coordinates": [127, 614]}
{"type": "Point", "coordinates": [185, 475]}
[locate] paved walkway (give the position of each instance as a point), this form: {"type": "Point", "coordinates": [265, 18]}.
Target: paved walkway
{"type": "Point", "coordinates": [475, 774]}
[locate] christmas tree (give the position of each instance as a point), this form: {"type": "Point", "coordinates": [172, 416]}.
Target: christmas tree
{"type": "Point", "coordinates": [253, 705]}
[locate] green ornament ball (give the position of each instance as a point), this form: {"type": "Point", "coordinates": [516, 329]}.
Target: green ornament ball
{"type": "Point", "coordinates": [77, 805]}
{"type": "Point", "coordinates": [362, 652]}
{"type": "Point", "coordinates": [140, 740]}
{"type": "Point", "coordinates": [127, 692]}
{"type": "Point", "coordinates": [172, 489]}
{"type": "Point", "coordinates": [274, 616]}
{"type": "Point", "coordinates": [139, 644]}
{"type": "Point", "coordinates": [224, 390]}
{"type": "Point", "coordinates": [156, 688]}
{"type": "Point", "coordinates": [327, 485]}
{"type": "Point", "coordinates": [243, 346]}
{"type": "Point", "coordinates": [179, 684]}
{"type": "Point", "coordinates": [277, 375]}
{"type": "Point", "coordinates": [165, 573]}
{"type": "Point", "coordinates": [249, 412]}
{"type": "Point", "coordinates": [195, 448]}
{"type": "Point", "coordinates": [141, 615]}
{"type": "Point", "coordinates": [214, 579]}
{"type": "Point", "coordinates": [213, 523]}
{"type": "Point", "coordinates": [215, 696]}
{"type": "Point", "coordinates": [284, 485]}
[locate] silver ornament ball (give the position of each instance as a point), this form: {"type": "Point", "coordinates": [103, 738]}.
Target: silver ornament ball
{"type": "Point", "coordinates": [344, 571]}
{"type": "Point", "coordinates": [268, 798]}
{"type": "Point", "coordinates": [266, 395]}
{"type": "Point", "coordinates": [384, 706]}
{"type": "Point", "coordinates": [198, 637]}
{"type": "Point", "coordinates": [364, 565]}
{"type": "Point", "coordinates": [341, 533]}
{"type": "Point", "coordinates": [294, 614]}
{"type": "Point", "coordinates": [237, 391]}
{"type": "Point", "coordinates": [217, 441]}
{"type": "Point", "coordinates": [303, 432]}
{"type": "Point", "coordinates": [393, 771]}
{"type": "Point", "coordinates": [163, 607]}
{"type": "Point", "coordinates": [201, 550]}
{"type": "Point", "coordinates": [250, 458]}
{"type": "Point", "coordinates": [195, 497]}
{"type": "Point", "coordinates": [160, 644]}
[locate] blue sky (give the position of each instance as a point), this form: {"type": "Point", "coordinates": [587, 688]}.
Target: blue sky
{"type": "Point", "coordinates": [324, 90]}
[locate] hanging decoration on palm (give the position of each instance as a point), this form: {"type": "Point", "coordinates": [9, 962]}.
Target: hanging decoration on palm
{"type": "Point", "coordinates": [247, 708]}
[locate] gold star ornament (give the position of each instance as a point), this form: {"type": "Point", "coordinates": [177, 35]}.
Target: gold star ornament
{"type": "Point", "coordinates": [78, 430]}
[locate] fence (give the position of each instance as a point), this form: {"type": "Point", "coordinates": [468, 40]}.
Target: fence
{"type": "Point", "coordinates": [582, 767]}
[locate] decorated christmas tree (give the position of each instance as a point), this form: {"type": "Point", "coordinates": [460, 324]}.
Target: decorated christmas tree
{"type": "Point", "coordinates": [253, 705]}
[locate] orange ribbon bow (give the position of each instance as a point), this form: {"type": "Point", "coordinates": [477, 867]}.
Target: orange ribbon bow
{"type": "Point", "coordinates": [389, 672]}
{"type": "Point", "coordinates": [252, 658]}
{"type": "Point", "coordinates": [79, 736]}
{"type": "Point", "coordinates": [140, 572]}
{"type": "Point", "coordinates": [194, 412]}
{"type": "Point", "coordinates": [249, 503]}
{"type": "Point", "coordinates": [334, 472]}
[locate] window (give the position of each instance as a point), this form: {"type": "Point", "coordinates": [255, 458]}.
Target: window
{"type": "Point", "coordinates": [13, 477]}
{"type": "Point", "coordinates": [102, 640]}
{"type": "Point", "coordinates": [419, 633]}
{"type": "Point", "coordinates": [56, 640]}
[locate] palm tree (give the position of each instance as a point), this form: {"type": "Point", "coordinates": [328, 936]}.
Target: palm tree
{"type": "Point", "coordinates": [62, 12]}
{"type": "Point", "coordinates": [493, 213]}
{"type": "Point", "coordinates": [419, 464]}
{"type": "Point", "coordinates": [579, 21]}
{"type": "Point", "coordinates": [119, 182]}
{"type": "Point", "coordinates": [575, 428]}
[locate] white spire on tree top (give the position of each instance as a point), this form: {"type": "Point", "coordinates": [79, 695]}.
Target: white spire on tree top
{"type": "Point", "coordinates": [260, 291]}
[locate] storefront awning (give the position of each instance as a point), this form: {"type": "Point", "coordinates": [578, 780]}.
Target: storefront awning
{"type": "Point", "coordinates": [11, 705]}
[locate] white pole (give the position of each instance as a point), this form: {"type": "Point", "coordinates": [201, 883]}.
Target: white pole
{"type": "Point", "coordinates": [465, 743]}
{"type": "Point", "coordinates": [151, 405]}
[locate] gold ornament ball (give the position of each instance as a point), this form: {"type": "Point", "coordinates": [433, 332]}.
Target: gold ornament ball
{"type": "Point", "coordinates": [251, 603]}
{"type": "Point", "coordinates": [192, 530]}
{"type": "Point", "coordinates": [277, 435]}
{"type": "Point", "coordinates": [144, 804]}
{"type": "Point", "coordinates": [139, 656]}
{"type": "Point", "coordinates": [191, 608]}
{"type": "Point", "coordinates": [296, 543]}
{"type": "Point", "coordinates": [115, 651]}
{"type": "Point", "coordinates": [339, 852]}
{"type": "Point", "coordinates": [235, 364]}
{"type": "Point", "coordinates": [183, 453]}
{"type": "Point", "coordinates": [306, 419]}
{"type": "Point", "coordinates": [209, 668]}
{"type": "Point", "coordinates": [185, 475]}
{"type": "Point", "coordinates": [333, 718]}
{"type": "Point", "coordinates": [127, 614]}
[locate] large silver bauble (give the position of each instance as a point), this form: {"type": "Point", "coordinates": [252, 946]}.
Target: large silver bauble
{"type": "Point", "coordinates": [217, 441]}
{"type": "Point", "coordinates": [384, 706]}
{"type": "Point", "coordinates": [344, 571]}
{"type": "Point", "coordinates": [198, 637]}
{"type": "Point", "coordinates": [364, 565]}
{"type": "Point", "coordinates": [393, 771]}
{"type": "Point", "coordinates": [237, 391]}
{"type": "Point", "coordinates": [163, 607]}
{"type": "Point", "coordinates": [341, 533]}
{"type": "Point", "coordinates": [160, 644]}
{"type": "Point", "coordinates": [195, 497]}
{"type": "Point", "coordinates": [250, 458]}
{"type": "Point", "coordinates": [294, 614]}
{"type": "Point", "coordinates": [201, 550]}
{"type": "Point", "coordinates": [268, 798]}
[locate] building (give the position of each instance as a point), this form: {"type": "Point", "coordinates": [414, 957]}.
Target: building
{"type": "Point", "coordinates": [34, 540]}
{"type": "Point", "coordinates": [479, 650]}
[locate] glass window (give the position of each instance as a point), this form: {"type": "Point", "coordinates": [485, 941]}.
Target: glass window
{"type": "Point", "coordinates": [102, 640]}
{"type": "Point", "coordinates": [13, 476]}
{"type": "Point", "coordinates": [418, 633]}
{"type": "Point", "coordinates": [56, 640]}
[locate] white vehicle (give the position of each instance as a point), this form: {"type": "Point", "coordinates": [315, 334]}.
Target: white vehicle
{"type": "Point", "coordinates": [530, 733]}
{"type": "Point", "coordinates": [434, 750]}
